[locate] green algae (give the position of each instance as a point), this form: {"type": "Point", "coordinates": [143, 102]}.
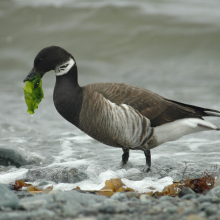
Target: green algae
{"type": "Point", "coordinates": [33, 93]}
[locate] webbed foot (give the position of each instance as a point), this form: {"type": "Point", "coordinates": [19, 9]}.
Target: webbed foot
{"type": "Point", "coordinates": [146, 168]}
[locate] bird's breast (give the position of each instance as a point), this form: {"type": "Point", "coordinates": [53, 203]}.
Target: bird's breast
{"type": "Point", "coordinates": [68, 104]}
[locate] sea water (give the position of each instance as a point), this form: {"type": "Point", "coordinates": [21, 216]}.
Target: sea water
{"type": "Point", "coordinates": [169, 47]}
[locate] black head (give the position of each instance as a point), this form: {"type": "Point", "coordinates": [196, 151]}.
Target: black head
{"type": "Point", "coordinates": [49, 58]}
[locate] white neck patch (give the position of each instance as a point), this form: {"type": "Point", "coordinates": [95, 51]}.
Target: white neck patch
{"type": "Point", "coordinates": [64, 68]}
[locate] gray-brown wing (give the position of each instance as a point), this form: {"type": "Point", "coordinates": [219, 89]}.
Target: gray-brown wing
{"type": "Point", "coordinates": [117, 125]}
{"type": "Point", "coordinates": [156, 108]}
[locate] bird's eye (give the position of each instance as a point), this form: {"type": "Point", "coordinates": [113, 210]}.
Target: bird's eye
{"type": "Point", "coordinates": [37, 61]}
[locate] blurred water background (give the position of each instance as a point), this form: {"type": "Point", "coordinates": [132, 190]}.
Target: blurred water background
{"type": "Point", "coordinates": [169, 47]}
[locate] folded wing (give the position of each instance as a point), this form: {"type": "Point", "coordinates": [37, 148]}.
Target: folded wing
{"type": "Point", "coordinates": [156, 108]}
{"type": "Point", "coordinates": [117, 125]}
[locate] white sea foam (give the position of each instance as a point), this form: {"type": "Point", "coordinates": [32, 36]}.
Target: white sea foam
{"type": "Point", "coordinates": [17, 140]}
{"type": "Point", "coordinates": [96, 182]}
{"type": "Point", "coordinates": [66, 151]}
{"type": "Point", "coordinates": [71, 163]}
{"type": "Point", "coordinates": [195, 143]}
{"type": "Point", "coordinates": [13, 174]}
{"type": "Point", "coordinates": [148, 184]}
{"type": "Point", "coordinates": [215, 163]}
{"type": "Point", "coordinates": [83, 139]}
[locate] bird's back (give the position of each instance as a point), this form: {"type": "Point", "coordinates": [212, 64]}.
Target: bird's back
{"type": "Point", "coordinates": [156, 108]}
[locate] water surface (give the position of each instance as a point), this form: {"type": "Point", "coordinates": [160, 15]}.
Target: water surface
{"type": "Point", "coordinates": [169, 47]}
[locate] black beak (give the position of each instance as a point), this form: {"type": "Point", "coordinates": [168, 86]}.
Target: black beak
{"type": "Point", "coordinates": [30, 75]}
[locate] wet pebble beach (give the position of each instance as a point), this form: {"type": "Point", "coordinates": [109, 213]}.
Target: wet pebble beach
{"type": "Point", "coordinates": [121, 206]}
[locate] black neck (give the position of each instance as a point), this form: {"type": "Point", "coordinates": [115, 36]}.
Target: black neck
{"type": "Point", "coordinates": [68, 96]}
{"type": "Point", "coordinates": [71, 76]}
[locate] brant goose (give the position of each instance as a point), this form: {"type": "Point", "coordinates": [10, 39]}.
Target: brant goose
{"type": "Point", "coordinates": [118, 114]}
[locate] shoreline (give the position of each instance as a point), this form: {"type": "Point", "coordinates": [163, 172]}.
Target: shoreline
{"type": "Point", "coordinates": [122, 205]}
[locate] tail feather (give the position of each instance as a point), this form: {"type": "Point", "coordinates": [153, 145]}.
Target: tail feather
{"type": "Point", "coordinates": [199, 110]}
{"type": "Point", "coordinates": [212, 113]}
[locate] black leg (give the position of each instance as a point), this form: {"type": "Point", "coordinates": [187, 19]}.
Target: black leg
{"type": "Point", "coordinates": [148, 159]}
{"type": "Point", "coordinates": [125, 156]}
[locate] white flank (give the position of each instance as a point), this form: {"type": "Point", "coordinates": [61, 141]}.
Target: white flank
{"type": "Point", "coordinates": [175, 130]}
{"type": "Point", "coordinates": [125, 124]}
{"type": "Point", "coordinates": [64, 68]}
